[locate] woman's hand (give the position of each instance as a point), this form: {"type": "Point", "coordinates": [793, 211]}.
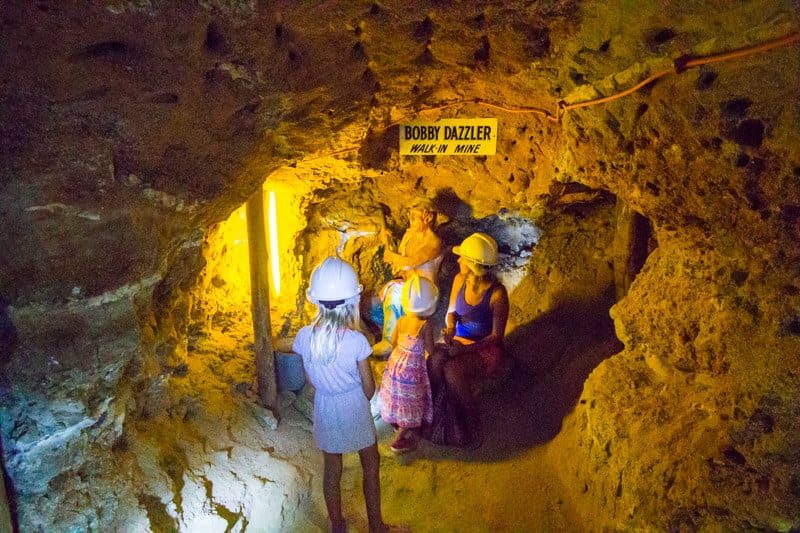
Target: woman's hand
{"type": "Point", "coordinates": [448, 334]}
{"type": "Point", "coordinates": [454, 349]}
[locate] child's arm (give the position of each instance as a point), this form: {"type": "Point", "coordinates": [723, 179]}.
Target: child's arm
{"type": "Point", "coordinates": [367, 383]}
{"type": "Point", "coordinates": [395, 331]}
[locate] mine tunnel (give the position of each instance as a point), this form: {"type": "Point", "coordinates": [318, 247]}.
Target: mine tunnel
{"type": "Point", "coordinates": [173, 172]}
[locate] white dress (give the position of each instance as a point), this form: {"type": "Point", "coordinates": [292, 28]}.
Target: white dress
{"type": "Point", "coordinates": [342, 419]}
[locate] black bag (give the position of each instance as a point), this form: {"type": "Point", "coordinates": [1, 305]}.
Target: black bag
{"type": "Point", "coordinates": [449, 426]}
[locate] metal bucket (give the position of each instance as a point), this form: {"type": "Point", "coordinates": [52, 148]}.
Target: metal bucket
{"type": "Point", "coordinates": [289, 371]}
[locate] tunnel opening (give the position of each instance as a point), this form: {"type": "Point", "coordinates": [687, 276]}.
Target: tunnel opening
{"type": "Point", "coordinates": [219, 336]}
{"type": "Point", "coordinates": [561, 291]}
{"type": "Point", "coordinates": [590, 249]}
{"type": "Point", "coordinates": [224, 304]}
{"type": "Point", "coordinates": [561, 300]}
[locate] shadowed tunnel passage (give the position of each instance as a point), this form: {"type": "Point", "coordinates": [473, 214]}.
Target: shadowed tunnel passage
{"type": "Point", "coordinates": [553, 356]}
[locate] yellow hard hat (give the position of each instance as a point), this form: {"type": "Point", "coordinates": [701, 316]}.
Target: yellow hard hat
{"type": "Point", "coordinates": [478, 248]}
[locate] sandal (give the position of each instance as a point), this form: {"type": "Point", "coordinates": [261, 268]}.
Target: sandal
{"type": "Point", "coordinates": [403, 443]}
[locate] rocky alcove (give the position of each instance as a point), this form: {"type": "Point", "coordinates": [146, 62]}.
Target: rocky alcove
{"type": "Point", "coordinates": [644, 192]}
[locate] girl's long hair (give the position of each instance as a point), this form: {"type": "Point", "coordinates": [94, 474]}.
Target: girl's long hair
{"type": "Point", "coordinates": [328, 327]}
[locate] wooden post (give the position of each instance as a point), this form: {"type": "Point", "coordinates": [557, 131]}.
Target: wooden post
{"type": "Point", "coordinates": [259, 291]}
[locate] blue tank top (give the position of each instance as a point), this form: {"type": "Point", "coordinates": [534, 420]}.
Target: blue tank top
{"type": "Point", "coordinates": [474, 322]}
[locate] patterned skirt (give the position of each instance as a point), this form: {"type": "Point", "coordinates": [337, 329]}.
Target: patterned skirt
{"type": "Point", "coordinates": [405, 393]}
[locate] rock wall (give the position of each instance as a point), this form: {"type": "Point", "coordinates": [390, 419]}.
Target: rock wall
{"type": "Point", "coordinates": [694, 424]}
{"type": "Point", "coordinates": [128, 129]}
{"type": "Point", "coordinates": [696, 420]}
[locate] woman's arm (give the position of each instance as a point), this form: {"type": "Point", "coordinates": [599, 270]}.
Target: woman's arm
{"type": "Point", "coordinates": [499, 305]}
{"type": "Point", "coordinates": [367, 383]}
{"type": "Point", "coordinates": [452, 316]}
{"type": "Point", "coordinates": [427, 337]}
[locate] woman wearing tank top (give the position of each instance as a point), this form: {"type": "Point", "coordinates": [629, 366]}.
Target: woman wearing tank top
{"type": "Point", "coordinates": [476, 323]}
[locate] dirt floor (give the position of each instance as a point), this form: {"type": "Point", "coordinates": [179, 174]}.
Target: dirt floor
{"type": "Point", "coordinates": [509, 484]}
{"type": "Point", "coordinates": [506, 485]}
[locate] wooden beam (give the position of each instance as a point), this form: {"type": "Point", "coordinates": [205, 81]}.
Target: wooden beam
{"type": "Point", "coordinates": [259, 290]}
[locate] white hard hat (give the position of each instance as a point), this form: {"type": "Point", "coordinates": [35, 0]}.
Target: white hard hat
{"type": "Point", "coordinates": [420, 296]}
{"type": "Point", "coordinates": [478, 248]}
{"type": "Point", "coordinates": [332, 283]}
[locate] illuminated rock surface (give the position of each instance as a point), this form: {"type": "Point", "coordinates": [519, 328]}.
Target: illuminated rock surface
{"type": "Point", "coordinates": [664, 398]}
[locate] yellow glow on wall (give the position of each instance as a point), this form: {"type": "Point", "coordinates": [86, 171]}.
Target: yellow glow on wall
{"type": "Point", "coordinates": [273, 244]}
{"type": "Point", "coordinates": [226, 278]}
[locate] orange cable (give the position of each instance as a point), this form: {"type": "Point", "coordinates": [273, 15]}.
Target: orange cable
{"type": "Point", "coordinates": [689, 64]}
{"type": "Point", "coordinates": [626, 92]}
{"type": "Point", "coordinates": [745, 51]}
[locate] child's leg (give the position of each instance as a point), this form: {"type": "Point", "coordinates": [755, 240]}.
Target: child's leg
{"type": "Point", "coordinates": [370, 465]}
{"type": "Point", "coordinates": [331, 481]}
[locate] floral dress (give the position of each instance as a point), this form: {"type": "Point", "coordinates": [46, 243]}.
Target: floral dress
{"type": "Point", "coordinates": [406, 390]}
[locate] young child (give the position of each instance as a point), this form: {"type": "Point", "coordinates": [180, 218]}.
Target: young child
{"type": "Point", "coordinates": [405, 392]}
{"type": "Point", "coordinates": [335, 356]}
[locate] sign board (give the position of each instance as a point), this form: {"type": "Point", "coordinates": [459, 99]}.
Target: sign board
{"type": "Point", "coordinates": [451, 136]}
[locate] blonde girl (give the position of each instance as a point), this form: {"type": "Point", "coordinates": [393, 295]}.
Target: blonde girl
{"type": "Point", "coordinates": [335, 356]}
